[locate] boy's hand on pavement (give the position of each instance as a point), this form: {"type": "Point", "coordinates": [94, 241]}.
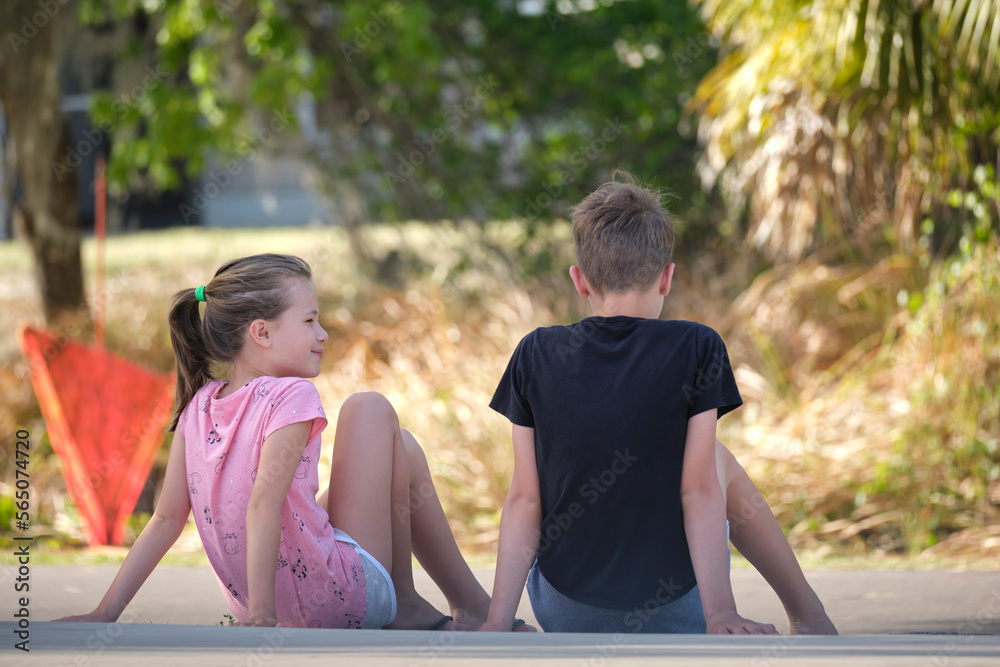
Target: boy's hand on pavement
{"type": "Point", "coordinates": [731, 623]}
{"type": "Point", "coordinates": [487, 627]}
{"type": "Point", "coordinates": [518, 626]}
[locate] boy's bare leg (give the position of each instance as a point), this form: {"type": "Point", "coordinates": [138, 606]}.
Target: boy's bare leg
{"type": "Point", "coordinates": [757, 535]}
{"type": "Point", "coordinates": [369, 477]}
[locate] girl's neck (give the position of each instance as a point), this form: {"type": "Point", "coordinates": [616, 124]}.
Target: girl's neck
{"type": "Point", "coordinates": [239, 377]}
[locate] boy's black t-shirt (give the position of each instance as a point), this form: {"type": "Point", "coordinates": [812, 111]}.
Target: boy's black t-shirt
{"type": "Point", "coordinates": [609, 399]}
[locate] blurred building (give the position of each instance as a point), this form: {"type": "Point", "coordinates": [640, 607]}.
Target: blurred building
{"type": "Point", "coordinates": [266, 190]}
{"type": "Point", "coordinates": [263, 190]}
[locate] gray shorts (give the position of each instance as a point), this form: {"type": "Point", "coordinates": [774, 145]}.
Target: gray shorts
{"type": "Point", "coordinates": [556, 612]}
{"type": "Point", "coordinates": [380, 594]}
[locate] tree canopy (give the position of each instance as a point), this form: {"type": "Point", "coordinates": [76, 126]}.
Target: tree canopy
{"type": "Point", "coordinates": [416, 109]}
{"type": "Point", "coordinates": [850, 122]}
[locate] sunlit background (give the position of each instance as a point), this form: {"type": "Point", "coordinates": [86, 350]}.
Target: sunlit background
{"type": "Point", "coordinates": [832, 166]}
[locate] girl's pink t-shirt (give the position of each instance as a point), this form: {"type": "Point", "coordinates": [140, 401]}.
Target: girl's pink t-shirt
{"type": "Point", "coordinates": [318, 580]}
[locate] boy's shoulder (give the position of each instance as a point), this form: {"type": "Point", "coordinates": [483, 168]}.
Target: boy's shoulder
{"type": "Point", "coordinates": [621, 324]}
{"type": "Point", "coordinates": [692, 327]}
{"type": "Point", "coordinates": [620, 334]}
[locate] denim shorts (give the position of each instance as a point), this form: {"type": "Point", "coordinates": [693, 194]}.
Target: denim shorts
{"type": "Point", "coordinates": [380, 594]}
{"type": "Point", "coordinates": [556, 612]}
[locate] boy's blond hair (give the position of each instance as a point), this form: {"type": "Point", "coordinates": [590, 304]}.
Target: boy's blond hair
{"type": "Point", "coordinates": [623, 236]}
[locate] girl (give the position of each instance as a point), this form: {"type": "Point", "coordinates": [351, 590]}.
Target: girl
{"type": "Point", "coordinates": [244, 459]}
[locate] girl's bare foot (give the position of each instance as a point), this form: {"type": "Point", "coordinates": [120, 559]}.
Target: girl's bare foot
{"type": "Point", "coordinates": [416, 613]}
{"type": "Point", "coordinates": [812, 624]}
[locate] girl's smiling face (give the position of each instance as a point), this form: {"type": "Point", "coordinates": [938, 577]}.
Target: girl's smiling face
{"type": "Point", "coordinates": [296, 336]}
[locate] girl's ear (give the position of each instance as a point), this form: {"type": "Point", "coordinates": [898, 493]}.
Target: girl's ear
{"type": "Point", "coordinates": [259, 332]}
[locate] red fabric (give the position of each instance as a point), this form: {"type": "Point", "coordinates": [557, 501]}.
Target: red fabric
{"type": "Point", "coordinates": [105, 418]}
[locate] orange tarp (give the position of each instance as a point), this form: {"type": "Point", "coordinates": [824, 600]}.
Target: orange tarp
{"type": "Point", "coordinates": [105, 417]}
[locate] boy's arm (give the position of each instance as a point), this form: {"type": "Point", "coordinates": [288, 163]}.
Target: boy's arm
{"type": "Point", "coordinates": [520, 528]}
{"type": "Point", "coordinates": [279, 457]}
{"type": "Point", "coordinates": [163, 529]}
{"type": "Point", "coordinates": [705, 525]}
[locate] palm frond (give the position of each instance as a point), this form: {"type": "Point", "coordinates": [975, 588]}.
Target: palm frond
{"type": "Point", "coordinates": [896, 85]}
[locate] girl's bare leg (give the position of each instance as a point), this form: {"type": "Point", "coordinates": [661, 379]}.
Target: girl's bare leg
{"type": "Point", "coordinates": [370, 476]}
{"type": "Point", "coordinates": [434, 544]}
{"type": "Point", "coordinates": [757, 535]}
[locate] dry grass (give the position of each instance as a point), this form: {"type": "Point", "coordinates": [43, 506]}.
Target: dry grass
{"type": "Point", "coordinates": [436, 347]}
{"type": "Point", "coordinates": [881, 435]}
{"type": "Point", "coordinates": [870, 426]}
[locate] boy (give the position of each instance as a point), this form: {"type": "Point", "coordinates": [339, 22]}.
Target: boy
{"type": "Point", "coordinates": [616, 505]}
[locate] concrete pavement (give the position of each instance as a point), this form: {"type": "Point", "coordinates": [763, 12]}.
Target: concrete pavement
{"type": "Point", "coordinates": [884, 618]}
{"type": "Point", "coordinates": [84, 645]}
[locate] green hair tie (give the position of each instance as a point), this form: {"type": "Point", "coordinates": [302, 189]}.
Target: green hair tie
{"type": "Point", "coordinates": [199, 293]}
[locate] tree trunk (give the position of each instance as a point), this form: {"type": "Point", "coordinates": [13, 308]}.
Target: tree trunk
{"type": "Point", "coordinates": [46, 214]}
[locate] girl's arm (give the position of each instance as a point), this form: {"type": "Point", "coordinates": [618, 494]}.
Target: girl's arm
{"type": "Point", "coordinates": [163, 529]}
{"type": "Point", "coordinates": [520, 529]}
{"type": "Point", "coordinates": [705, 525]}
{"type": "Point", "coordinates": [279, 457]}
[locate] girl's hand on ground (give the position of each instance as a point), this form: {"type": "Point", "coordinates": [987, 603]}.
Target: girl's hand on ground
{"type": "Point", "coordinates": [731, 623]}
{"type": "Point", "coordinates": [259, 622]}
{"type": "Point", "coordinates": [93, 617]}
